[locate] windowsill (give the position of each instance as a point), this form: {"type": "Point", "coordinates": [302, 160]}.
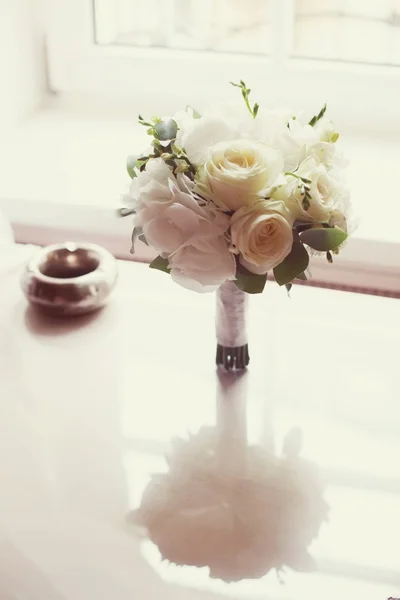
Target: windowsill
{"type": "Point", "coordinates": [70, 155]}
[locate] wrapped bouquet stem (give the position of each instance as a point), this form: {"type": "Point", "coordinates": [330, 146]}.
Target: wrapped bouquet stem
{"type": "Point", "coordinates": [227, 197]}
{"type": "Point", "coordinates": [231, 327]}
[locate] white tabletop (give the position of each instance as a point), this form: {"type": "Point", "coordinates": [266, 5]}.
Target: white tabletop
{"type": "Point", "coordinates": [88, 407]}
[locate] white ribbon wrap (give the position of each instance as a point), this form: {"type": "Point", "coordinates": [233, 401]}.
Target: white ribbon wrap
{"type": "Point", "coordinates": [230, 321]}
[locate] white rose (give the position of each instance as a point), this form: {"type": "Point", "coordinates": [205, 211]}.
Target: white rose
{"type": "Point", "coordinates": [262, 234]}
{"type": "Point", "coordinates": [203, 265]}
{"type": "Point", "coordinates": [239, 173]}
{"type": "Point", "coordinates": [327, 193]}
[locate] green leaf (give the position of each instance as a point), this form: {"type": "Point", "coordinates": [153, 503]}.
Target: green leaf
{"type": "Point", "coordinates": [293, 265]}
{"type": "Point", "coordinates": [301, 276]}
{"type": "Point", "coordinates": [135, 234]}
{"type": "Point", "coordinates": [319, 116]}
{"type": "Point", "coordinates": [130, 166]}
{"type": "Point", "coordinates": [134, 163]}
{"type": "Point", "coordinates": [249, 282]}
{"type": "Point", "coordinates": [196, 114]}
{"type": "Point", "coordinates": [161, 264]}
{"type": "Point", "coordinates": [166, 130]}
{"type": "Point", "coordinates": [323, 238]}
{"type": "Point", "coordinates": [125, 211]}
{"type": "Point", "coordinates": [142, 238]}
{"type": "Point", "coordinates": [143, 122]}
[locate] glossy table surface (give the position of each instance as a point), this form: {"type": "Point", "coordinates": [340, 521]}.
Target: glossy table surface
{"type": "Point", "coordinates": [88, 408]}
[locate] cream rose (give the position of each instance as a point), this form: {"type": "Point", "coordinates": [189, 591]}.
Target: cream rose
{"type": "Point", "coordinates": [238, 173]}
{"type": "Point", "coordinates": [262, 234]}
{"type": "Point", "coordinates": [326, 192]}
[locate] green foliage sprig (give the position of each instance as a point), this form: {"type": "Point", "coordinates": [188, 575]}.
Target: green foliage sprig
{"type": "Point", "coordinates": [253, 110]}
{"type": "Point", "coordinates": [317, 117]}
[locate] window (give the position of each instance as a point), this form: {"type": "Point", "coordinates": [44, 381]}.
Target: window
{"type": "Point", "coordinates": [223, 26]}
{"type": "Point", "coordinates": [294, 52]}
{"type": "Point", "coordinates": [106, 60]}
{"type": "Point", "coordinates": [348, 30]}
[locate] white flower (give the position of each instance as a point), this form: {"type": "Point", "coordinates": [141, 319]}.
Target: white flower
{"type": "Point", "coordinates": [323, 152]}
{"type": "Point", "coordinates": [338, 219]}
{"type": "Point", "coordinates": [327, 192]}
{"type": "Point", "coordinates": [239, 172]}
{"type": "Point", "coordinates": [325, 130]}
{"type": "Point", "coordinates": [229, 122]}
{"type": "Point", "coordinates": [293, 140]}
{"type": "Point", "coordinates": [262, 234]}
{"type": "Point", "coordinates": [151, 185]}
{"type": "Point", "coordinates": [202, 135]}
{"type": "Point", "coordinates": [302, 141]}
{"type": "Point", "coordinates": [170, 214]}
{"type": "Point", "coordinates": [203, 265]}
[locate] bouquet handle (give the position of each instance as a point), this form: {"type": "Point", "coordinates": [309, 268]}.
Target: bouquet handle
{"type": "Point", "coordinates": [231, 327]}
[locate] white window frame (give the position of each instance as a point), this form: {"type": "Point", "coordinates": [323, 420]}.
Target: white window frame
{"type": "Point", "coordinates": [166, 80]}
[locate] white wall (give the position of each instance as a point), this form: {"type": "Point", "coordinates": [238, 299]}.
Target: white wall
{"type": "Point", "coordinates": [22, 64]}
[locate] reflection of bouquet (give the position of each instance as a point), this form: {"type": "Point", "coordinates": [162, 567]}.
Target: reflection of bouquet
{"type": "Point", "coordinates": [238, 510]}
{"type": "Point", "coordinates": [235, 193]}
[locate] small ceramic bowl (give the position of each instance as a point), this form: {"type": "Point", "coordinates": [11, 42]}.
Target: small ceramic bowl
{"type": "Point", "coordinates": [70, 279]}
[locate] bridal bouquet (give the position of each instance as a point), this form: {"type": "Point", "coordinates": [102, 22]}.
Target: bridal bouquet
{"type": "Point", "coordinates": [236, 193]}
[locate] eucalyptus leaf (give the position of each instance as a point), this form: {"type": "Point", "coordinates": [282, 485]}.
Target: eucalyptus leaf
{"type": "Point", "coordinates": [161, 264]}
{"type": "Point", "coordinates": [293, 265]}
{"type": "Point", "coordinates": [137, 231]}
{"type": "Point", "coordinates": [166, 130]}
{"type": "Point", "coordinates": [249, 282]}
{"type": "Point", "coordinates": [302, 277]}
{"type": "Point", "coordinates": [323, 238]}
{"type": "Point", "coordinates": [142, 238]}
{"type": "Point", "coordinates": [130, 166]}
{"type": "Point", "coordinates": [125, 211]}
